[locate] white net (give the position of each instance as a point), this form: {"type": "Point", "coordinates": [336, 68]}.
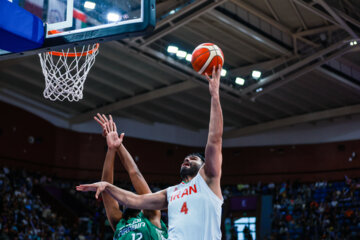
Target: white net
{"type": "Point", "coordinates": [66, 71]}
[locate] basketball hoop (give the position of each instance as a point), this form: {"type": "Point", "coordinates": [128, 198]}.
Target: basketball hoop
{"type": "Point", "coordinates": [66, 71]}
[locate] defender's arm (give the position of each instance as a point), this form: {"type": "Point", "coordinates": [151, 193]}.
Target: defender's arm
{"type": "Point", "coordinates": [138, 181]}
{"type": "Point", "coordinates": [113, 212]}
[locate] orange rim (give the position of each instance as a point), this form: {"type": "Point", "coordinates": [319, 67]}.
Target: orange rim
{"type": "Point", "coordinates": [71, 54]}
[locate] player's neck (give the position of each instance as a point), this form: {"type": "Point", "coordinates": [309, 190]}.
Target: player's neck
{"type": "Point", "coordinates": [187, 179]}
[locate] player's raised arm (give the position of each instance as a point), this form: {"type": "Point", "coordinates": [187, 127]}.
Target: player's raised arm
{"type": "Point", "coordinates": [138, 181]}
{"type": "Point", "coordinates": [213, 155]}
{"type": "Point", "coordinates": [113, 212]}
{"type": "Point", "coordinates": [152, 201]}
{"type": "Point", "coordinates": [130, 166]}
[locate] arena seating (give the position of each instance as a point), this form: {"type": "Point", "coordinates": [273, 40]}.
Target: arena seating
{"type": "Point", "coordinates": [35, 206]}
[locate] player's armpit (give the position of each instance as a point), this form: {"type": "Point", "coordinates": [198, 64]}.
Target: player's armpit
{"type": "Point", "coordinates": [154, 217]}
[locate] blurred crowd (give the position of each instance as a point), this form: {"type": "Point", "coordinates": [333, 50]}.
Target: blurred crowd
{"type": "Point", "coordinates": [317, 211]}
{"type": "Point", "coordinates": [23, 214]}
{"type": "Point", "coordinates": [320, 210]}
{"type": "Point", "coordinates": [313, 211]}
{"type": "Point", "coordinates": [26, 213]}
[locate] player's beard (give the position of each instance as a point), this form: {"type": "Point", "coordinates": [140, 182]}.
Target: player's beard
{"type": "Point", "coordinates": [189, 172]}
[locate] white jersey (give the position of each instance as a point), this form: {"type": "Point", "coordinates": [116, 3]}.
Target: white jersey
{"type": "Point", "coordinates": [194, 211]}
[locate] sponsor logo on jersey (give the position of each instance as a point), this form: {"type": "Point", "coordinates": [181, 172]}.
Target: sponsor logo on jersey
{"type": "Point", "coordinates": [130, 227]}
{"type": "Point", "coordinates": [178, 194]}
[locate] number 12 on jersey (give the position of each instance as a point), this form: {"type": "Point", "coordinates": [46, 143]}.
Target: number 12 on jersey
{"type": "Point", "coordinates": [136, 236]}
{"type": "Point", "coordinates": [184, 208]}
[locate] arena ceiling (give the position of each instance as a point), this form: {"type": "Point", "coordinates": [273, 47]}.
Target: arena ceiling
{"type": "Point", "coordinates": [310, 71]}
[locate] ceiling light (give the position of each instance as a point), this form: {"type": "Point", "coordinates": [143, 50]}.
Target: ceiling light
{"type": "Point", "coordinates": [172, 12]}
{"type": "Point", "coordinates": [256, 74]}
{"type": "Point", "coordinates": [259, 90]}
{"type": "Point", "coordinates": [89, 5]}
{"type": "Point", "coordinates": [353, 43]}
{"type": "Point", "coordinates": [223, 72]}
{"type": "Point", "coordinates": [172, 49]}
{"type": "Point", "coordinates": [113, 17]}
{"type": "Point", "coordinates": [188, 57]}
{"type": "Point", "coordinates": [181, 54]}
{"type": "Point", "coordinates": [239, 81]}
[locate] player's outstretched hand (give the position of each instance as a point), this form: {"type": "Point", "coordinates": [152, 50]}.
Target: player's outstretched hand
{"type": "Point", "coordinates": [97, 187]}
{"type": "Point", "coordinates": [214, 81]}
{"type": "Point", "coordinates": [109, 127]}
{"type": "Point", "coordinates": [102, 120]}
{"type": "Point", "coordinates": [112, 138]}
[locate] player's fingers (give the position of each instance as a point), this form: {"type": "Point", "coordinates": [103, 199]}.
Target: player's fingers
{"type": "Point", "coordinates": [99, 121]}
{"type": "Point", "coordinates": [107, 127]}
{"type": "Point", "coordinates": [110, 126]}
{"type": "Point", "coordinates": [207, 77]}
{"type": "Point", "coordinates": [122, 136]}
{"type": "Point", "coordinates": [97, 193]}
{"type": "Point", "coordinates": [213, 71]}
{"type": "Point", "coordinates": [105, 118]}
{"type": "Point", "coordinates": [219, 70]}
{"type": "Point", "coordinates": [83, 188]}
{"type": "Point", "coordinates": [111, 123]}
{"type": "Point", "coordinates": [114, 127]}
{"type": "Point", "coordinates": [101, 118]}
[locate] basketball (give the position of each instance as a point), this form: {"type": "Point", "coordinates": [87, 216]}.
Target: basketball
{"type": "Point", "coordinates": [205, 57]}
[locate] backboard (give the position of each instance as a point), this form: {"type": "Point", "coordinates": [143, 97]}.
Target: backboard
{"type": "Point", "coordinates": [76, 22]}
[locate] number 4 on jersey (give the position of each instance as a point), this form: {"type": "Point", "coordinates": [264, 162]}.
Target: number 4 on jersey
{"type": "Point", "coordinates": [184, 208]}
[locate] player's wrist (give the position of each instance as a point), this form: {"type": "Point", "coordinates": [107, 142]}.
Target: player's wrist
{"type": "Point", "coordinates": [215, 95]}
{"type": "Point", "coordinates": [112, 148]}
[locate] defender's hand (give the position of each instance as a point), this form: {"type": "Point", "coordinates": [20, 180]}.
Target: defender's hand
{"type": "Point", "coordinates": [102, 120]}
{"type": "Point", "coordinates": [109, 126]}
{"type": "Point", "coordinates": [98, 187]}
{"type": "Point", "coordinates": [112, 138]}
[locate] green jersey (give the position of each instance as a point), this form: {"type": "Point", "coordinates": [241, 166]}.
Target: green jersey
{"type": "Point", "coordinates": [139, 228]}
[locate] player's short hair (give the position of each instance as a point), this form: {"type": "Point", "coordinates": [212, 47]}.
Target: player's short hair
{"type": "Point", "coordinates": [130, 213]}
{"type": "Point", "coordinates": [197, 154]}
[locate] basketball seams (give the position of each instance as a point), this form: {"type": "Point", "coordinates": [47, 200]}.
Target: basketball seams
{"type": "Point", "coordinates": [199, 47]}
{"type": "Point", "coordinates": [194, 60]}
{"type": "Point", "coordinates": [208, 61]}
{"type": "Point", "coordinates": [209, 51]}
{"type": "Point", "coordinates": [218, 52]}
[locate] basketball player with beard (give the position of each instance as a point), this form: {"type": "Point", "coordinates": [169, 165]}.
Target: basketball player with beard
{"type": "Point", "coordinates": [131, 224]}
{"type": "Point", "coordinates": [194, 205]}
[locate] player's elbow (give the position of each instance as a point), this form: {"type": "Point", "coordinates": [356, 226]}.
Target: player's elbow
{"type": "Point", "coordinates": [135, 173]}
{"type": "Point", "coordinates": [134, 201]}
